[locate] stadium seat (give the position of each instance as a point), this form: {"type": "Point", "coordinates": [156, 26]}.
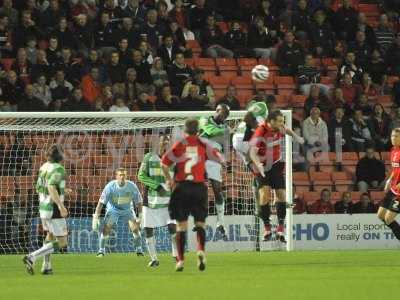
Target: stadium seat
{"type": "Point", "coordinates": [228, 74]}
{"type": "Point", "coordinates": [348, 158]}
{"type": "Point", "coordinates": [355, 196]}
{"type": "Point", "coordinates": [343, 181]}
{"type": "Point", "coordinates": [281, 101]}
{"type": "Point", "coordinates": [268, 85]}
{"type": "Point", "coordinates": [226, 64]}
{"type": "Point", "coordinates": [189, 62]}
{"type": "Point", "coordinates": [385, 100]}
{"type": "Point", "coordinates": [247, 64]}
{"type": "Point", "coordinates": [301, 181]}
{"type": "Point", "coordinates": [298, 100]}
{"type": "Point", "coordinates": [285, 85]}
{"type": "Point", "coordinates": [377, 196]}
{"type": "Point", "coordinates": [241, 82]}
{"type": "Point", "coordinates": [311, 197]}
{"type": "Point", "coordinates": [194, 46]}
{"type": "Point", "coordinates": [392, 79]}
{"type": "Point", "coordinates": [219, 82]}
{"type": "Point", "coordinates": [321, 180]}
{"type": "Point", "coordinates": [24, 182]}
{"type": "Point", "coordinates": [327, 163]}
{"type": "Point", "coordinates": [207, 64]}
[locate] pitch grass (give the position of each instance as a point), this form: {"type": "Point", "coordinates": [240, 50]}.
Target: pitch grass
{"type": "Point", "coordinates": [243, 275]}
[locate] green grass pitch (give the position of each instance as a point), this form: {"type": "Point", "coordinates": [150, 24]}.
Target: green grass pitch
{"type": "Point", "coordinates": [310, 275]}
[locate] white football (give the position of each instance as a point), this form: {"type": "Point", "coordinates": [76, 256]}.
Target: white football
{"type": "Point", "coordinates": [260, 73]}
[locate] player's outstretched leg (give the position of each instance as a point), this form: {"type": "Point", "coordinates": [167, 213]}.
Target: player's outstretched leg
{"type": "Point", "coordinates": [30, 259]}
{"type": "Point", "coordinates": [151, 247]}
{"type": "Point", "coordinates": [201, 241]}
{"type": "Point", "coordinates": [219, 205]}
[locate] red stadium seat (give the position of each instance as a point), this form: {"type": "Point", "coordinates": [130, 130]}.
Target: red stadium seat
{"type": "Point", "coordinates": [247, 63]}
{"type": "Point", "coordinates": [226, 64]}
{"type": "Point", "coordinates": [207, 64]}
{"type": "Point", "coordinates": [321, 180]}
{"type": "Point", "coordinates": [343, 181]}
{"type": "Point", "coordinates": [298, 100]}
{"type": "Point", "coordinates": [219, 82]}
{"type": "Point", "coordinates": [311, 197]}
{"type": "Point", "coordinates": [377, 196]}
{"type": "Point", "coordinates": [241, 82]}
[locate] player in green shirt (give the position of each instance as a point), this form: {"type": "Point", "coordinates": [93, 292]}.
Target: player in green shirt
{"type": "Point", "coordinates": [216, 131]}
{"type": "Point", "coordinates": [51, 187]}
{"type": "Point", "coordinates": [156, 199]}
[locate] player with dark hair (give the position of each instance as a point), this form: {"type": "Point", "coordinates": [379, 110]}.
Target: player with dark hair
{"type": "Point", "coordinates": [268, 166]}
{"type": "Point", "coordinates": [389, 208]}
{"type": "Point", "coordinates": [189, 193]}
{"type": "Point", "coordinates": [216, 131]}
{"type": "Point", "coordinates": [50, 186]}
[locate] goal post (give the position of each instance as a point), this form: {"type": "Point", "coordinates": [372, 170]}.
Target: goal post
{"type": "Point", "coordinates": [94, 145]}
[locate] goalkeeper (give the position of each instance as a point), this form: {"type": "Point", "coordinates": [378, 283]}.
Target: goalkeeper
{"type": "Point", "coordinates": [120, 197]}
{"type": "Point", "coordinates": [156, 200]}
{"type": "Point", "coordinates": [216, 131]}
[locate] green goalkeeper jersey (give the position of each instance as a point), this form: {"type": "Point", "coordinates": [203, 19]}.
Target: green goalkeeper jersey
{"type": "Point", "coordinates": [259, 110]}
{"type": "Point", "coordinates": [217, 134]}
{"type": "Point", "coordinates": [50, 174]}
{"type": "Point", "coordinates": [151, 175]}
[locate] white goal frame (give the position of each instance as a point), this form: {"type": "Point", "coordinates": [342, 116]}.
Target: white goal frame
{"type": "Point", "coordinates": [153, 115]}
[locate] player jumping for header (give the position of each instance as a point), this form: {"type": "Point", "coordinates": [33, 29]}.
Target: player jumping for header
{"type": "Point", "coordinates": [120, 197]}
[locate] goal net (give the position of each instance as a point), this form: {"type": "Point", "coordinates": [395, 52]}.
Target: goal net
{"type": "Point", "coordinates": [94, 145]}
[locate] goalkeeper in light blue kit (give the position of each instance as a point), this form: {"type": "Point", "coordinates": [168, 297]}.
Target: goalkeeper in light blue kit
{"type": "Point", "coordinates": [120, 197]}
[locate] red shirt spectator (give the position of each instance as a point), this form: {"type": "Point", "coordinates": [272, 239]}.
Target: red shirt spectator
{"type": "Point", "coordinates": [323, 205]}
{"type": "Point", "coordinates": [91, 88]}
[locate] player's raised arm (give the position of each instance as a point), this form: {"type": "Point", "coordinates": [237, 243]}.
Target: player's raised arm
{"type": "Point", "coordinates": [294, 135]}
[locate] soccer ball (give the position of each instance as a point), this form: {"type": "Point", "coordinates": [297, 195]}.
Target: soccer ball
{"type": "Point", "coordinates": [260, 73]}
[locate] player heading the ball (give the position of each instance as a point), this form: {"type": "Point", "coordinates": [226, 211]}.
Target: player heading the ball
{"type": "Point", "coordinates": [189, 192]}
{"type": "Point", "coordinates": [120, 196]}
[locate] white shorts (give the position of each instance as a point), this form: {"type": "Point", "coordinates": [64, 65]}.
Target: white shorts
{"type": "Point", "coordinates": [213, 170]}
{"type": "Point", "coordinates": [57, 227]}
{"type": "Point", "coordinates": [156, 217]}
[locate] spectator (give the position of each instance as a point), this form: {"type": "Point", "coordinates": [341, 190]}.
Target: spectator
{"type": "Point", "coordinates": [106, 97]}
{"type": "Point", "coordinates": [179, 14]}
{"type": "Point", "coordinates": [144, 103]}
{"type": "Point", "coordinates": [344, 205]}
{"type": "Point", "coordinates": [339, 52]}
{"type": "Point", "coordinates": [152, 30]}
{"type": "Point", "coordinates": [384, 34]}
{"type": "Point", "coordinates": [230, 98]}
{"type": "Point", "coordinates": [94, 61]}
{"type": "Point", "coordinates": [128, 32]}
{"type": "Point", "coordinates": [70, 66]}
{"type": "Point", "coordinates": [368, 31]}
{"type": "Point", "coordinates": [261, 40]}
{"type": "Point", "coordinates": [22, 66]}
{"type": "Point", "coordinates": [300, 206]}
{"type": "Point", "coordinates": [380, 127]}
{"type": "Point", "coordinates": [147, 52]}
{"type": "Point", "coordinates": [361, 49]}
{"type": "Point", "coordinates": [29, 102]}
{"type": "Point", "coordinates": [301, 20]}
{"type": "Point", "coordinates": [198, 15]}
{"type": "Point", "coordinates": [369, 89]}
{"type": "Point", "coordinates": [323, 205]}
{"type": "Point", "coordinates": [119, 106]}
{"type": "Point", "coordinates": [65, 37]}
{"type": "Point", "coordinates": [315, 131]}
{"type": "Point", "coordinates": [365, 205]}
{"type": "Point", "coordinates": [349, 66]}
{"type": "Point", "coordinates": [290, 56]}
{"type": "Point", "coordinates": [166, 101]}
{"type": "Point", "coordinates": [338, 130]}
{"type": "Point", "coordinates": [377, 67]}
{"type": "Point", "coordinates": [345, 21]}
{"type": "Point", "coordinates": [321, 35]}
{"type": "Point", "coordinates": [309, 75]}
{"type": "Point", "coordinates": [104, 34]}
{"type": "Point", "coordinates": [142, 68]}
{"type": "Point", "coordinates": [168, 50]}
{"type": "Point", "coordinates": [60, 88]}
{"type": "Point", "coordinates": [179, 74]}
{"type": "Point", "coordinates": [90, 86]}
{"type": "Point", "coordinates": [124, 52]}
{"type": "Point", "coordinates": [315, 99]}
{"type": "Point", "coordinates": [26, 28]}
{"type": "Point", "coordinates": [365, 105]}
{"type": "Point", "coordinates": [83, 34]}
{"type": "Point", "coordinates": [213, 41]}
{"type": "Point", "coordinates": [12, 14]}
{"type": "Point", "coordinates": [132, 87]}
{"type": "Point", "coordinates": [110, 7]}
{"type": "Point", "coordinates": [193, 101]}
{"type": "Point", "coordinates": [41, 67]}
{"type": "Point", "coordinates": [77, 103]}
{"type": "Point", "coordinates": [162, 11]}
{"type": "Point", "coordinates": [133, 11]}
{"type": "Point", "coordinates": [179, 38]}
{"type": "Point", "coordinates": [50, 16]}
{"type": "Point", "coordinates": [370, 171]}
{"type": "Point", "coordinates": [360, 132]}
{"type": "Point", "coordinates": [42, 91]}
{"type": "Point", "coordinates": [115, 69]}
{"type": "Point", "coordinates": [159, 75]}
{"type": "Point", "coordinates": [235, 40]}
{"type": "Point", "coordinates": [52, 52]}
{"type": "Point", "coordinates": [338, 101]}
{"type": "Point", "coordinates": [31, 49]}
{"type": "Point", "coordinates": [393, 57]}
{"type": "Point", "coordinates": [206, 92]}
{"type": "Point", "coordinates": [5, 37]}
{"type": "Point", "coordinates": [350, 90]}
{"type": "Point", "coordinates": [12, 89]}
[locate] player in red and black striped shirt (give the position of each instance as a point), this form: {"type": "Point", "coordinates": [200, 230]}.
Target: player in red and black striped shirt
{"type": "Point", "coordinates": [268, 166]}
{"type": "Point", "coordinates": [189, 194]}
{"type": "Point", "coordinates": [389, 207]}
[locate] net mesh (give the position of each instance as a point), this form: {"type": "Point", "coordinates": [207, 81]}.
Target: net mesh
{"type": "Point", "coordinates": [93, 148]}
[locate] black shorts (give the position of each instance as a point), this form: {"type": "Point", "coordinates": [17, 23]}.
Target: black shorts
{"type": "Point", "coordinates": [189, 198]}
{"type": "Point", "coordinates": [273, 178]}
{"type": "Point", "coordinates": [391, 202]}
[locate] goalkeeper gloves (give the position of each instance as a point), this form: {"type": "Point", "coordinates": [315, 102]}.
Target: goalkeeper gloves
{"type": "Point", "coordinates": [95, 222]}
